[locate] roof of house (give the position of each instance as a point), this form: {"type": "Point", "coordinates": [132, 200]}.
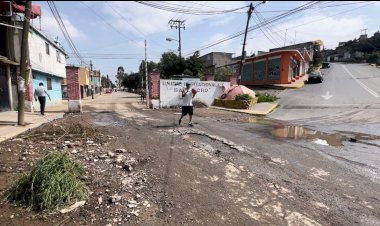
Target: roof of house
{"type": "Point", "coordinates": [295, 51]}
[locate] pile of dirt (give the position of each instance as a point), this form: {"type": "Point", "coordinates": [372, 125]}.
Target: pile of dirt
{"type": "Point", "coordinates": [199, 104]}
{"type": "Point", "coordinates": [115, 176]}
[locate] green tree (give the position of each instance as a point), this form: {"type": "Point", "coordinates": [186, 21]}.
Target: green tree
{"type": "Point", "coordinates": [132, 81]}
{"type": "Point", "coordinates": [120, 75]}
{"type": "Point", "coordinates": [222, 74]}
{"type": "Point", "coordinates": [171, 64]}
{"type": "Point", "coordinates": [195, 65]}
{"type": "Point", "coordinates": [151, 66]}
{"type": "Point", "coordinates": [107, 83]}
{"type": "Point", "coordinates": [188, 72]}
{"type": "Point", "coordinates": [374, 57]}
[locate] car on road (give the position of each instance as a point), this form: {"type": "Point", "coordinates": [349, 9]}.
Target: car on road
{"type": "Point", "coordinates": [315, 76]}
{"type": "Point", "coordinates": [325, 65]}
{"type": "Point", "coordinates": [108, 90]}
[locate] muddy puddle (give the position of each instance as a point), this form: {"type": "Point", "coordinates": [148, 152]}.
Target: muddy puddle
{"type": "Point", "coordinates": [299, 132]}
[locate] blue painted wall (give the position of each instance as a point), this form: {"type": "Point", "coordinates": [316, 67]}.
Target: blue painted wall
{"type": "Point", "coordinates": [56, 91]}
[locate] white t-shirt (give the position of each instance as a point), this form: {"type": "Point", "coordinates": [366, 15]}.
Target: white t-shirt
{"type": "Point", "coordinates": [188, 99]}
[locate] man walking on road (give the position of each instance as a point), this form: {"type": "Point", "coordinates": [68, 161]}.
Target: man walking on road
{"type": "Point", "coordinates": [39, 93]}
{"type": "Point", "coordinates": [142, 95]}
{"type": "Point", "coordinates": [187, 103]}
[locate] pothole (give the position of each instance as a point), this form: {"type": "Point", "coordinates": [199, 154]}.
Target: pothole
{"type": "Point", "coordinates": [299, 132]}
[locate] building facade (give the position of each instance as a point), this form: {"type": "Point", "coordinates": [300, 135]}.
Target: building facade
{"type": "Point", "coordinates": [95, 81]}
{"type": "Point", "coordinates": [279, 67]}
{"type": "Point", "coordinates": [215, 60]}
{"type": "Point", "coordinates": [84, 81]}
{"type": "Point", "coordinates": [48, 63]}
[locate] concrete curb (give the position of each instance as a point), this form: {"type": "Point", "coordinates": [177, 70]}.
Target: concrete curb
{"type": "Point", "coordinates": [250, 112]}
{"type": "Point", "coordinates": [21, 129]}
{"type": "Point", "coordinates": [302, 84]}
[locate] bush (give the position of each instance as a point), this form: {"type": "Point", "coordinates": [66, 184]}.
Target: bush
{"type": "Point", "coordinates": [264, 97]}
{"type": "Point", "coordinates": [246, 97]}
{"type": "Point", "coordinates": [52, 182]}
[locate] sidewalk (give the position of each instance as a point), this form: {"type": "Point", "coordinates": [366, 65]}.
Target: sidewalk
{"type": "Point", "coordinates": [261, 109]}
{"type": "Point", "coordinates": [9, 127]}
{"type": "Point", "coordinates": [8, 119]}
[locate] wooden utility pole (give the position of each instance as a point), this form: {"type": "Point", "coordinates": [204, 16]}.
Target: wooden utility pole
{"type": "Point", "coordinates": [178, 24]}
{"type": "Point", "coordinates": [250, 10]}
{"type": "Point", "coordinates": [146, 79]}
{"type": "Point", "coordinates": [23, 78]}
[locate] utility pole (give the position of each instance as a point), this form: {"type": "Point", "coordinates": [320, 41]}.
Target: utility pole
{"type": "Point", "coordinates": [23, 78]}
{"type": "Point", "coordinates": [250, 10]}
{"type": "Point", "coordinates": [295, 37]}
{"type": "Point", "coordinates": [146, 79]}
{"type": "Point", "coordinates": [92, 80]}
{"type": "Point", "coordinates": [365, 30]}
{"type": "Point", "coordinates": [178, 24]}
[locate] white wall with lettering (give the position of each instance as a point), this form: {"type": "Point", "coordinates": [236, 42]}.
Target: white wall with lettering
{"type": "Point", "coordinates": [207, 91]}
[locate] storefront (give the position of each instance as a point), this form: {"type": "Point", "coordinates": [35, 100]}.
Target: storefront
{"type": "Point", "coordinates": [280, 67]}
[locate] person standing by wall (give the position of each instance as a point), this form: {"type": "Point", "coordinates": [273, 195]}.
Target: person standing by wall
{"type": "Point", "coordinates": [187, 103]}
{"type": "Point", "coordinates": [39, 93]}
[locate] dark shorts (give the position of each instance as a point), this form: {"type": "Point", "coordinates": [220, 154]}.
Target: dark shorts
{"type": "Point", "coordinates": [187, 110]}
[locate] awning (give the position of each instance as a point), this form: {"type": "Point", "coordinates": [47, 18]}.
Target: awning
{"type": "Point", "coordinates": [6, 6]}
{"type": "Point", "coordinates": [36, 10]}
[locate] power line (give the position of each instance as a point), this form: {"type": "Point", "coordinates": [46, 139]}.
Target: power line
{"type": "Point", "coordinates": [272, 40]}
{"type": "Point", "coordinates": [276, 18]}
{"type": "Point", "coordinates": [137, 29]}
{"type": "Point", "coordinates": [62, 25]}
{"type": "Point", "coordinates": [110, 25]}
{"type": "Point", "coordinates": [272, 20]}
{"type": "Point", "coordinates": [321, 7]}
{"type": "Point", "coordinates": [64, 31]}
{"type": "Point", "coordinates": [183, 9]}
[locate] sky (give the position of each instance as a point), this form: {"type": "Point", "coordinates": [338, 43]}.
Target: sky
{"type": "Point", "coordinates": [112, 34]}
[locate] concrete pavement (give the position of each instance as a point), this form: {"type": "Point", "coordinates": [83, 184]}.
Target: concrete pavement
{"type": "Point", "coordinates": [296, 85]}
{"type": "Point", "coordinates": [8, 119]}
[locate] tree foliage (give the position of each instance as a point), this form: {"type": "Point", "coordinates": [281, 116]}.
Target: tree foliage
{"type": "Point", "coordinates": [120, 75]}
{"type": "Point", "coordinates": [106, 83]}
{"type": "Point", "coordinates": [171, 64]}
{"type": "Point", "coordinates": [151, 66]}
{"type": "Point", "coordinates": [222, 74]}
{"type": "Point", "coordinates": [132, 81]}
{"type": "Point", "coordinates": [195, 65]}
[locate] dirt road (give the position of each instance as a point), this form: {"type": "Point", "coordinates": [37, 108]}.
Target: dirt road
{"type": "Point", "coordinates": [228, 169]}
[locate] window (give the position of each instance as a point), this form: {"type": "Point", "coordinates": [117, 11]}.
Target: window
{"type": "Point", "coordinates": [47, 46]}
{"type": "Point", "coordinates": [48, 80]}
{"type": "Point", "coordinates": [58, 57]}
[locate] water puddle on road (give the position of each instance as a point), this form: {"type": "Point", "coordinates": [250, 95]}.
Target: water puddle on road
{"type": "Point", "coordinates": [298, 132]}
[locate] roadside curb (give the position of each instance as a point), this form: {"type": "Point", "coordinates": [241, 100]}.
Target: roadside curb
{"type": "Point", "coordinates": [22, 129]}
{"type": "Point", "coordinates": [250, 112]}
{"type": "Point", "coordinates": [302, 84]}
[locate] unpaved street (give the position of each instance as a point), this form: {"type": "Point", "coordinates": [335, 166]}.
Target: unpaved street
{"type": "Point", "coordinates": [229, 169]}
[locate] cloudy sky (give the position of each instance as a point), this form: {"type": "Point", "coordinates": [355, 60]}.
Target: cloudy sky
{"type": "Point", "coordinates": [112, 34]}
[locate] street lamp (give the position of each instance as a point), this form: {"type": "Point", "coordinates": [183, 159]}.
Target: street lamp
{"type": "Point", "coordinates": [179, 44]}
